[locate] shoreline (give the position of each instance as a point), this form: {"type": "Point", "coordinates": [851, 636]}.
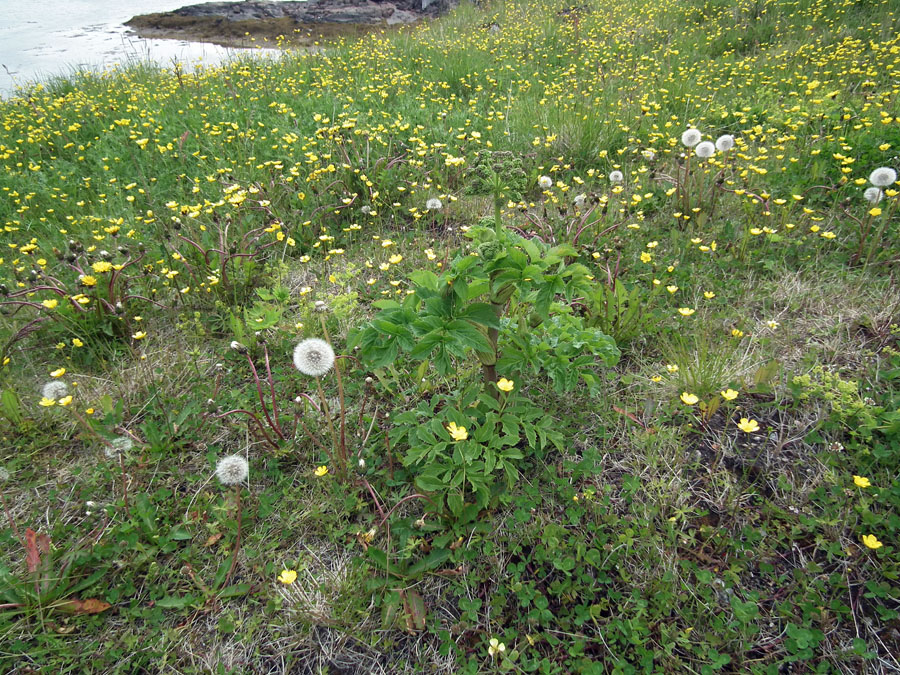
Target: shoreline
{"type": "Point", "coordinates": [281, 24]}
{"type": "Point", "coordinates": [263, 33]}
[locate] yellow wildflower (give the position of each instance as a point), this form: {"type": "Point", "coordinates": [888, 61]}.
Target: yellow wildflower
{"type": "Point", "coordinates": [458, 433]}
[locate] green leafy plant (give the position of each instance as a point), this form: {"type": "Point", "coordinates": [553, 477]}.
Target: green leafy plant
{"type": "Point", "coordinates": [464, 450]}
{"type": "Point", "coordinates": [451, 316]}
{"type": "Point", "coordinates": [624, 313]}
{"type": "Point", "coordinates": [52, 578]}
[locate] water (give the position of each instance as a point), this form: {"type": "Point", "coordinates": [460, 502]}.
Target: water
{"type": "Point", "coordinates": [43, 38]}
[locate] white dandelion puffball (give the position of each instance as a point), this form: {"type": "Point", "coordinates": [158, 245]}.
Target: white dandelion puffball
{"type": "Point", "coordinates": [313, 357]}
{"type": "Point", "coordinates": [232, 470]}
{"type": "Point", "coordinates": [580, 200]}
{"type": "Point", "coordinates": [873, 195]}
{"type": "Point", "coordinates": [649, 154]}
{"type": "Point", "coordinates": [545, 182]}
{"type": "Point", "coordinates": [54, 390]}
{"type": "Point", "coordinates": [705, 150]}
{"type": "Point", "coordinates": [434, 204]}
{"type": "Point", "coordinates": [616, 177]}
{"type": "Point", "coordinates": [725, 142]}
{"type": "Point", "coordinates": [883, 176]}
{"type": "Point", "coordinates": [691, 137]}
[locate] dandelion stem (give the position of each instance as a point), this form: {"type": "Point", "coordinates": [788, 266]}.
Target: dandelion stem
{"type": "Point", "coordinates": [327, 413]}
{"type": "Point", "coordinates": [237, 541]}
{"type": "Point", "coordinates": [124, 479]}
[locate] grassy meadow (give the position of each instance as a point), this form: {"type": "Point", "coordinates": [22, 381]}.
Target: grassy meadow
{"type": "Point", "coordinates": [540, 338]}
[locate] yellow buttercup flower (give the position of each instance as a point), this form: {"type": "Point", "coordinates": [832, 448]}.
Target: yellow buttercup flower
{"type": "Point", "coordinates": [321, 471]}
{"type": "Point", "coordinates": [47, 402]}
{"type": "Point", "coordinates": [66, 400]}
{"type": "Point", "coordinates": [458, 433]}
{"type": "Point", "coordinates": [686, 311]}
{"type": "Point", "coordinates": [861, 481]}
{"type": "Point", "coordinates": [140, 335]}
{"type": "Point", "coordinates": [287, 577]}
{"type": "Point", "coordinates": [50, 304]}
{"type": "Point", "coordinates": [748, 425]}
{"type": "Point", "coordinates": [59, 372]}
{"type": "Point", "coordinates": [689, 399]}
{"type": "Point", "coordinates": [871, 541]}
{"type": "Point", "coordinates": [729, 394]}
{"type": "Point", "coordinates": [505, 385]}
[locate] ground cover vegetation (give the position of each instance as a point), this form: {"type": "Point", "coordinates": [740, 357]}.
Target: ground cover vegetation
{"type": "Point", "coordinates": [540, 338]}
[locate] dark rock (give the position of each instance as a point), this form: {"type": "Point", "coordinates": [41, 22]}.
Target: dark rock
{"type": "Point", "coordinates": [318, 11]}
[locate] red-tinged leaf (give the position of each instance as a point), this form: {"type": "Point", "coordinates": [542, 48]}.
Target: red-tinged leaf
{"type": "Point", "coordinates": [89, 606]}
{"type": "Point", "coordinates": [415, 611]}
{"type": "Point", "coordinates": [213, 539]}
{"type": "Point", "coordinates": [32, 554]}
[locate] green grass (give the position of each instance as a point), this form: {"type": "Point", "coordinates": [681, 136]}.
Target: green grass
{"type": "Point", "coordinates": [190, 210]}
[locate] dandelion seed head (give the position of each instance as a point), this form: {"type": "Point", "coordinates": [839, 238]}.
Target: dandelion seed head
{"type": "Point", "coordinates": [883, 176]}
{"type": "Point", "coordinates": [705, 150]}
{"type": "Point", "coordinates": [691, 137]}
{"type": "Point", "coordinates": [545, 182]}
{"type": "Point", "coordinates": [434, 204]}
{"type": "Point", "coordinates": [725, 142]}
{"type": "Point", "coordinates": [616, 177]}
{"type": "Point", "coordinates": [873, 195]}
{"type": "Point", "coordinates": [118, 446]}
{"type": "Point", "coordinates": [54, 390]}
{"type": "Point", "coordinates": [313, 357]}
{"type": "Point", "coordinates": [232, 470]}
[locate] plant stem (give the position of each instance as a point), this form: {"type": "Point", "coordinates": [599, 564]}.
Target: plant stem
{"type": "Point", "coordinates": [237, 541]}
{"type": "Point", "coordinates": [124, 479]}
{"type": "Point", "coordinates": [327, 413]}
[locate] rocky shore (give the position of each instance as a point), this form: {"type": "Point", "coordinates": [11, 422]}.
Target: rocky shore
{"type": "Point", "coordinates": [238, 23]}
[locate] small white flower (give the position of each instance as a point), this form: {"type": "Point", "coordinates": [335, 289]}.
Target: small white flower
{"type": "Point", "coordinates": [232, 470]}
{"type": "Point", "coordinates": [691, 137]}
{"type": "Point", "coordinates": [313, 357]}
{"type": "Point", "coordinates": [873, 195]}
{"type": "Point", "coordinates": [545, 182]}
{"type": "Point", "coordinates": [54, 390]}
{"type": "Point", "coordinates": [883, 176]}
{"type": "Point", "coordinates": [434, 204]}
{"type": "Point", "coordinates": [362, 464]}
{"type": "Point", "coordinates": [705, 150]}
{"type": "Point", "coordinates": [616, 177]}
{"type": "Point", "coordinates": [580, 200]}
{"type": "Point", "coordinates": [725, 142]}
